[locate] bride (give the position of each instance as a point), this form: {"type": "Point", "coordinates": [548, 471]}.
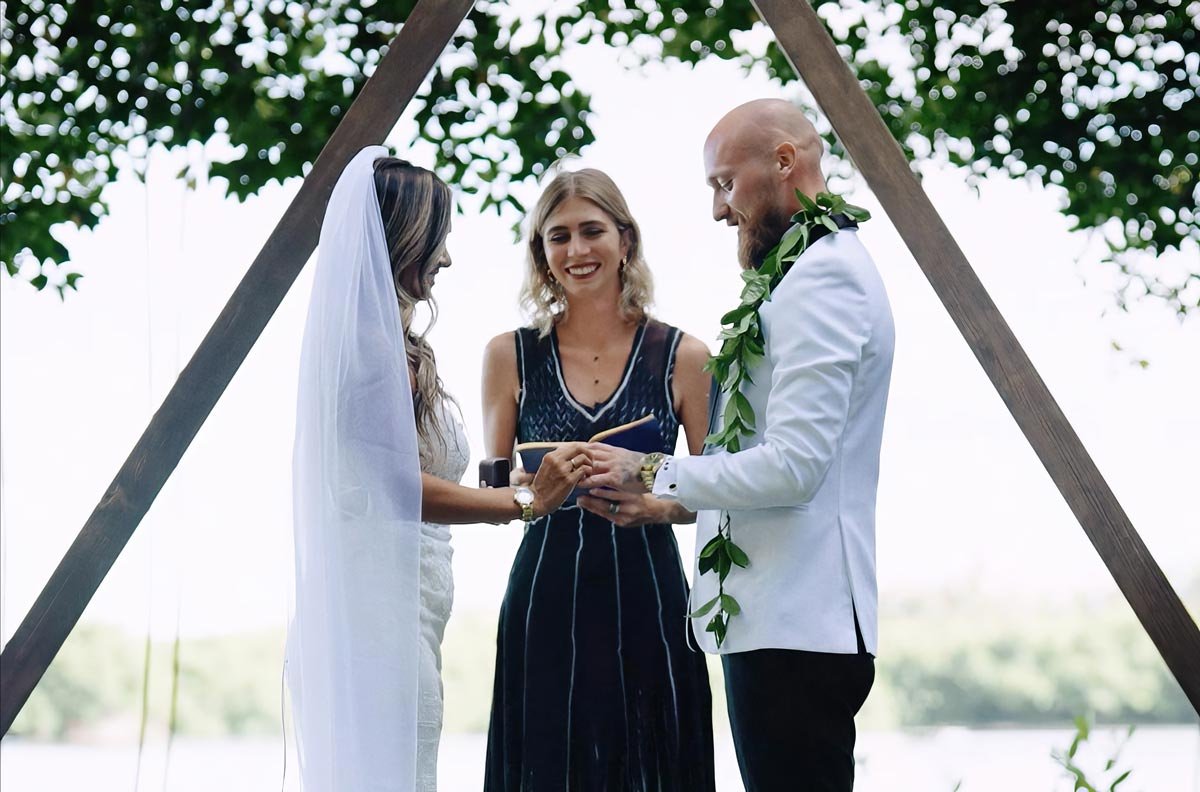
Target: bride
{"type": "Point", "coordinates": [377, 459]}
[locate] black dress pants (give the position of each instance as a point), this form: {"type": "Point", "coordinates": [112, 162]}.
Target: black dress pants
{"type": "Point", "coordinates": [792, 717]}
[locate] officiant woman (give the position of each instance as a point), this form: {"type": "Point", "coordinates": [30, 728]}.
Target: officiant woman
{"type": "Point", "coordinates": [598, 685]}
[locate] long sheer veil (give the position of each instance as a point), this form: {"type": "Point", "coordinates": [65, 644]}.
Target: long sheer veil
{"type": "Point", "coordinates": [352, 645]}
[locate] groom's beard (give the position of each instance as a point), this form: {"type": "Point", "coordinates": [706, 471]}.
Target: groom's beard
{"type": "Point", "coordinates": [757, 237]}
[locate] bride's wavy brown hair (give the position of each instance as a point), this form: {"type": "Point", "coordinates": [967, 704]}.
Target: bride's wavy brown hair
{"type": "Point", "coordinates": [416, 207]}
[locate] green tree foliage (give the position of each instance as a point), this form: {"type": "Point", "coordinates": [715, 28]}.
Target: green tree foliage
{"type": "Point", "coordinates": [977, 660]}
{"type": "Point", "coordinates": [965, 659]}
{"type": "Point", "coordinates": [97, 673]}
{"type": "Point", "coordinates": [1097, 97]}
{"type": "Point", "coordinates": [229, 685]}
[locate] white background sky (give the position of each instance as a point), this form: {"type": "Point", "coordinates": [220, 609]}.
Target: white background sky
{"type": "Point", "coordinates": [963, 503]}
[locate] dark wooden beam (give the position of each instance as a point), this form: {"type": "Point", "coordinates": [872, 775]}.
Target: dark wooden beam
{"type": "Point", "coordinates": [370, 118]}
{"type": "Point", "coordinates": [877, 156]}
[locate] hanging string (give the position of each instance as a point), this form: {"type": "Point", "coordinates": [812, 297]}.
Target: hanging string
{"type": "Point", "coordinates": [283, 725]}
{"type": "Point", "coordinates": [3, 543]}
{"type": "Point", "coordinates": [283, 701]}
{"type": "Point", "coordinates": [149, 529]}
{"type": "Point", "coordinates": [173, 716]}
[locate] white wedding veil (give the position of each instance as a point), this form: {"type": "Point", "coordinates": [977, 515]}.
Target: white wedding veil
{"type": "Point", "coordinates": [352, 645]}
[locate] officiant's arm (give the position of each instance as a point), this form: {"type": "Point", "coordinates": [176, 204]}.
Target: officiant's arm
{"type": "Point", "coordinates": [689, 389]}
{"type": "Point", "coordinates": [501, 395]}
{"type": "Point", "coordinates": [816, 329]}
{"type": "Point", "coordinates": [690, 384]}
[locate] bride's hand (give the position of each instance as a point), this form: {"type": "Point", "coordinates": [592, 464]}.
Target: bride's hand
{"type": "Point", "coordinates": [520, 477]}
{"type": "Point", "coordinates": [558, 474]}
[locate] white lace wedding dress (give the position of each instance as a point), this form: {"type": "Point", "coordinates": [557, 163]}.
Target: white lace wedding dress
{"type": "Point", "coordinates": [447, 461]}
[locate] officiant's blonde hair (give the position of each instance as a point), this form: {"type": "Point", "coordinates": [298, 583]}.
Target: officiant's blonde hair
{"type": "Point", "coordinates": [542, 298]}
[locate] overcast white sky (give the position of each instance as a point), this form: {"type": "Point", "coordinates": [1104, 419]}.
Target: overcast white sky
{"type": "Point", "coordinates": [963, 501]}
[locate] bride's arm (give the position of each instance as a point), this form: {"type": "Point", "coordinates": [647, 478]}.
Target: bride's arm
{"type": "Point", "coordinates": [445, 502]}
{"type": "Point", "coordinates": [450, 503]}
{"type": "Point", "coordinates": [453, 504]}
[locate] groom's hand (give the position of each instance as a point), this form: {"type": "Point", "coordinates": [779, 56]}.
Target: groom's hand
{"type": "Point", "coordinates": [614, 468]}
{"type": "Point", "coordinates": [624, 508]}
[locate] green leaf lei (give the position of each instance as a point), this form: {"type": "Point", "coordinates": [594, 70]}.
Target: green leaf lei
{"type": "Point", "coordinates": [742, 347]}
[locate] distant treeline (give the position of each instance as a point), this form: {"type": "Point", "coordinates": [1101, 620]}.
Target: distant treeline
{"type": "Point", "coordinates": [993, 663]}
{"type": "Point", "coordinates": [972, 661]}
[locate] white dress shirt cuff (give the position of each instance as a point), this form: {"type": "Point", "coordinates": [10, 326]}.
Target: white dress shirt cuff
{"type": "Point", "coordinates": [666, 485]}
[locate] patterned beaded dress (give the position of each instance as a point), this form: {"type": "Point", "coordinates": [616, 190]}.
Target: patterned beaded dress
{"type": "Point", "coordinates": [598, 683]}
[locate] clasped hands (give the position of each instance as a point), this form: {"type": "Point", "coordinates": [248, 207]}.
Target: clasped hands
{"type": "Point", "coordinates": [617, 493]}
{"type": "Point", "coordinates": [610, 473]}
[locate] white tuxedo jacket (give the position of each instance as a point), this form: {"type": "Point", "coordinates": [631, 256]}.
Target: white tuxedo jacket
{"type": "Point", "coordinates": [801, 492]}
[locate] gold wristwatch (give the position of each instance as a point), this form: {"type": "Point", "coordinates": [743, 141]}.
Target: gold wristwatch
{"type": "Point", "coordinates": [650, 465]}
{"type": "Point", "coordinates": [524, 498]}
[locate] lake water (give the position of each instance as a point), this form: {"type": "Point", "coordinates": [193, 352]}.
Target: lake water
{"type": "Point", "coordinates": [1163, 759]}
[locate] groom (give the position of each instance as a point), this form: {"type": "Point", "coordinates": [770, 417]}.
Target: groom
{"type": "Point", "coordinates": [800, 496]}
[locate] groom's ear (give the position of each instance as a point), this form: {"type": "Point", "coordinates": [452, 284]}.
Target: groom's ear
{"type": "Point", "coordinates": [786, 158]}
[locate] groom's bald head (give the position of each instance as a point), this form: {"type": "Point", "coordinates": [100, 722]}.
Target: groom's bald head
{"type": "Point", "coordinates": [755, 159]}
{"type": "Point", "coordinates": [761, 127]}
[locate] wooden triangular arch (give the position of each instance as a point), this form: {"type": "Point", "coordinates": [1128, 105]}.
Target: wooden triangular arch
{"type": "Point", "coordinates": [374, 112]}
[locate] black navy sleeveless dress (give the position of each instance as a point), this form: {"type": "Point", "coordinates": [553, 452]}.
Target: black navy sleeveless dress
{"type": "Point", "coordinates": [598, 684]}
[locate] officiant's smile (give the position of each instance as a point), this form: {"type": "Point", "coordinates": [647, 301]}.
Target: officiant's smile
{"type": "Point", "coordinates": [584, 246]}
